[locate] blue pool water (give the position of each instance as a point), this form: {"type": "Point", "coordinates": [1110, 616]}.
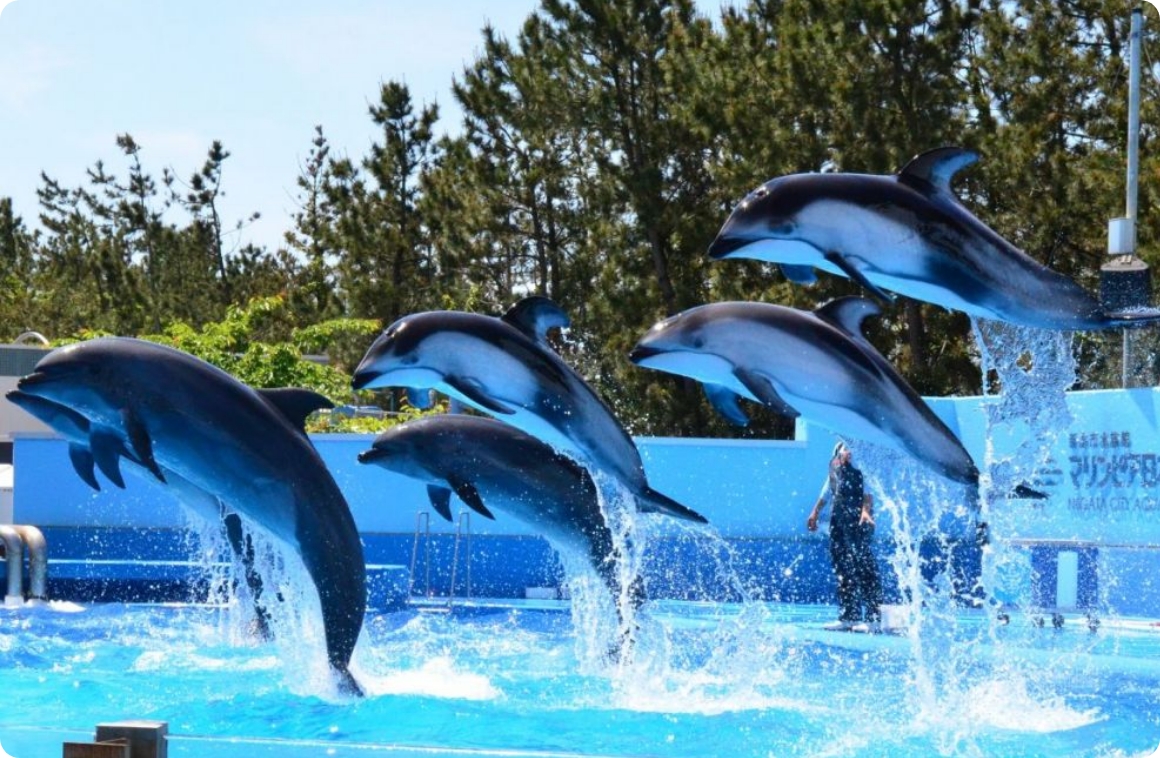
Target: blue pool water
{"type": "Point", "coordinates": [518, 679]}
{"type": "Point", "coordinates": [514, 678]}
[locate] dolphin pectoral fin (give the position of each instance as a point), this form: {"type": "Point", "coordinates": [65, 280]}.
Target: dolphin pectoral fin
{"type": "Point", "coordinates": [535, 315]}
{"type": "Point", "coordinates": [651, 501]}
{"type": "Point", "coordinates": [935, 168]}
{"type": "Point", "coordinates": [799, 274]}
{"type": "Point", "coordinates": [420, 399]}
{"type": "Point", "coordinates": [857, 276]}
{"type": "Point", "coordinates": [107, 449]}
{"type": "Point", "coordinates": [470, 495]}
{"type": "Point", "coordinates": [141, 443]}
{"type": "Point", "coordinates": [440, 498]}
{"type": "Point", "coordinates": [82, 461]}
{"type": "Point", "coordinates": [724, 400]}
{"type": "Point", "coordinates": [296, 404]}
{"type": "Point", "coordinates": [763, 390]}
{"type": "Point", "coordinates": [471, 391]}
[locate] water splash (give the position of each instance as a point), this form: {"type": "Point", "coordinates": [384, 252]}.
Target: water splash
{"type": "Point", "coordinates": [952, 695]}
{"type": "Point", "coordinates": [289, 603]}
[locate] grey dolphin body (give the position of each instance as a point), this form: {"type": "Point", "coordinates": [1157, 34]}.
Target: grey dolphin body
{"type": "Point", "coordinates": [197, 428]}
{"type": "Point", "coordinates": [76, 429]}
{"type": "Point", "coordinates": [817, 365]}
{"type": "Point", "coordinates": [504, 367]}
{"type": "Point", "coordinates": [908, 234]}
{"type": "Point", "coordinates": [489, 464]}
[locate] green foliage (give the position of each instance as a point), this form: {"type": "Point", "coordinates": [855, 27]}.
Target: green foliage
{"type": "Point", "coordinates": [233, 345]}
{"type": "Point", "coordinates": [600, 150]}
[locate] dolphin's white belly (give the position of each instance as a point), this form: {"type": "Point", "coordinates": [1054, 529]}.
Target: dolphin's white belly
{"type": "Point", "coordinates": [707, 368]}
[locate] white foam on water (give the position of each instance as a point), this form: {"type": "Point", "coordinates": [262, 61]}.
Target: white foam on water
{"type": "Point", "coordinates": [438, 677]}
{"type": "Point", "coordinates": [1007, 704]}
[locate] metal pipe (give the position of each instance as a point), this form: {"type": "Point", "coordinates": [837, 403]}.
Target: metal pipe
{"type": "Point", "coordinates": [37, 548]}
{"type": "Point", "coordinates": [1134, 118]}
{"type": "Point", "coordinates": [14, 558]}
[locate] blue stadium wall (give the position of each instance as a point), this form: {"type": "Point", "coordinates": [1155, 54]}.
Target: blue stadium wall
{"type": "Point", "coordinates": [1095, 537]}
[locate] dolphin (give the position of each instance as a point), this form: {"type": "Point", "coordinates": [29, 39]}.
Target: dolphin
{"type": "Point", "coordinates": [817, 365]}
{"type": "Point", "coordinates": [76, 429]}
{"type": "Point", "coordinates": [196, 428]}
{"type": "Point", "coordinates": [505, 367]}
{"type": "Point", "coordinates": [490, 464]}
{"type": "Point", "coordinates": [908, 234]}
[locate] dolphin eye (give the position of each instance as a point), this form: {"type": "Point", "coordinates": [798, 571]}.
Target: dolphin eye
{"type": "Point", "coordinates": [755, 196]}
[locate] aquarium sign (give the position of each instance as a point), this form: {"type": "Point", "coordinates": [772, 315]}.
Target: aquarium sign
{"type": "Point", "coordinates": [1100, 440]}
{"type": "Point", "coordinates": [1105, 462]}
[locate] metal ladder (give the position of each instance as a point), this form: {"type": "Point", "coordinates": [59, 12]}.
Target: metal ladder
{"type": "Point", "coordinates": [423, 536]}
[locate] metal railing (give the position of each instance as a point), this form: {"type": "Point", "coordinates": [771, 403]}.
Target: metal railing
{"type": "Point", "coordinates": [423, 539]}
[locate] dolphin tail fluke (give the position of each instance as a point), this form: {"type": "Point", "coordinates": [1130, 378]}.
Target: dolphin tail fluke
{"type": "Point", "coordinates": [347, 684]}
{"type": "Point", "coordinates": [651, 501]}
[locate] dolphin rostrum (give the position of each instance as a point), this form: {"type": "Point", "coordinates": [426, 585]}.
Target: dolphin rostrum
{"type": "Point", "coordinates": [490, 464]}
{"type": "Point", "coordinates": [505, 367]}
{"type": "Point", "coordinates": [817, 365]}
{"type": "Point", "coordinates": [196, 428]}
{"type": "Point", "coordinates": [908, 234]}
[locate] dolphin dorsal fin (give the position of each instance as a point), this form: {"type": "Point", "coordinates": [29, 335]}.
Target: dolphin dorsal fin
{"type": "Point", "coordinates": [296, 404]}
{"type": "Point", "coordinates": [935, 168]}
{"type": "Point", "coordinates": [848, 313]}
{"type": "Point", "coordinates": [535, 315]}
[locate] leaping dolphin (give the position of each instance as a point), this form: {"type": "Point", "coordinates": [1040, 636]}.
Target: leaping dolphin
{"type": "Point", "coordinates": [489, 464]}
{"type": "Point", "coordinates": [817, 365]}
{"type": "Point", "coordinates": [76, 429]}
{"type": "Point", "coordinates": [195, 427]}
{"type": "Point", "coordinates": [505, 367]}
{"type": "Point", "coordinates": [911, 235]}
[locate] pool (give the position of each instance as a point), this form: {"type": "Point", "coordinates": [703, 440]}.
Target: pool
{"type": "Point", "coordinates": [519, 678]}
{"type": "Point", "coordinates": [722, 665]}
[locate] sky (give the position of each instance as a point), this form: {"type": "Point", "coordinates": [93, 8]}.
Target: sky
{"type": "Point", "coordinates": [258, 75]}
